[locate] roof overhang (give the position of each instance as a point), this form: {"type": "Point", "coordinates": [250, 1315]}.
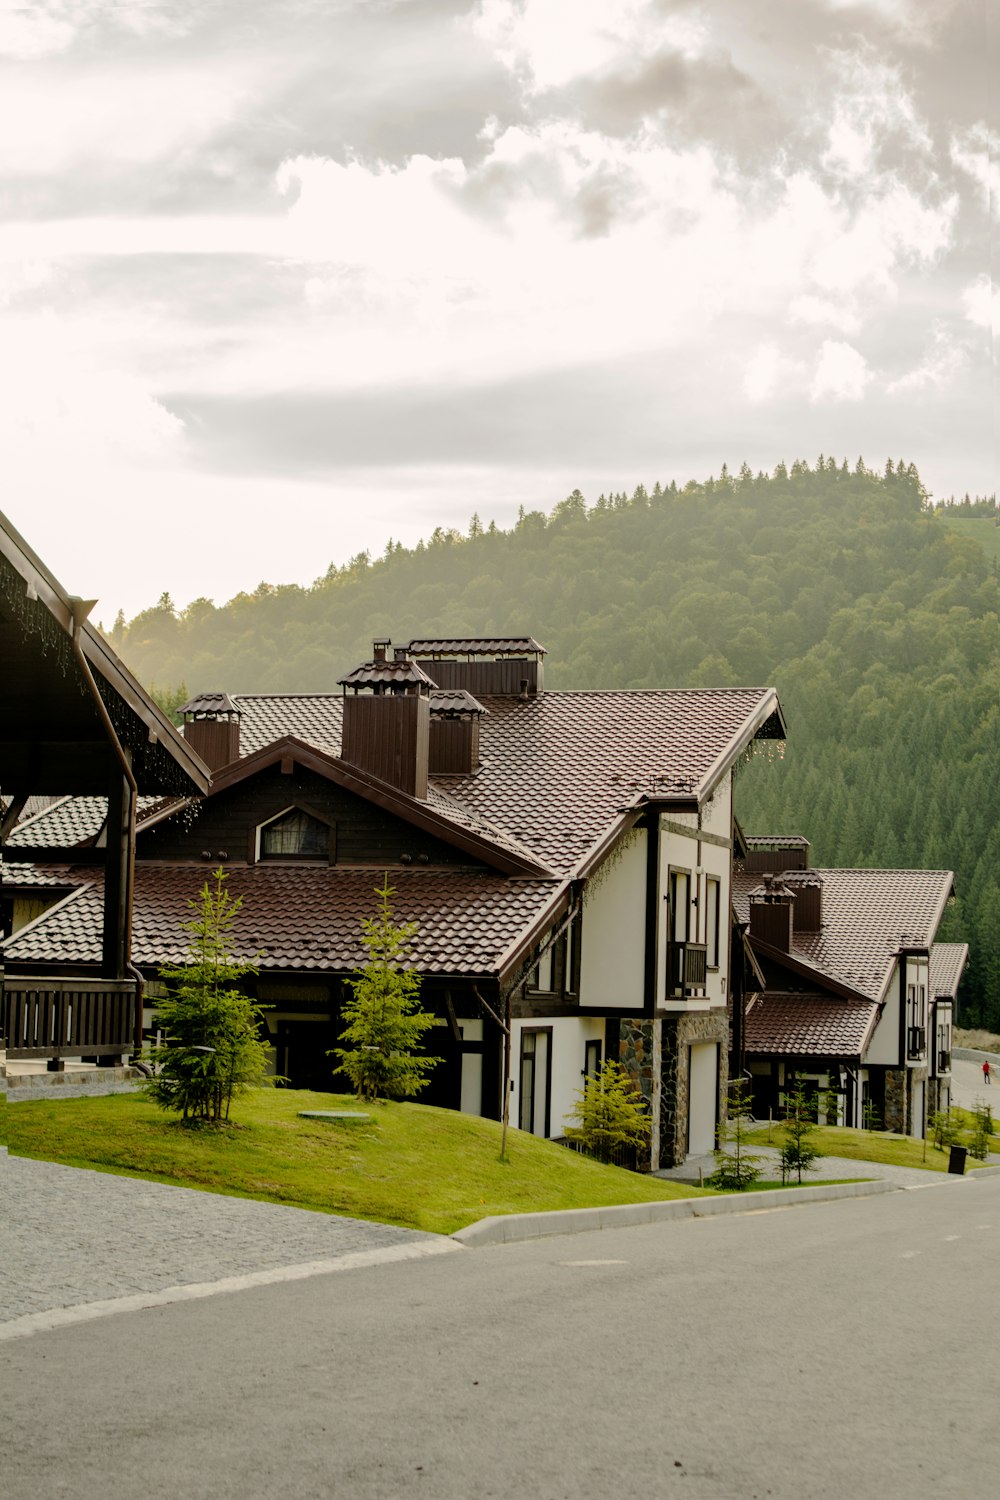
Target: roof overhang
{"type": "Point", "coordinates": [767, 722]}
{"type": "Point", "coordinates": [52, 737]}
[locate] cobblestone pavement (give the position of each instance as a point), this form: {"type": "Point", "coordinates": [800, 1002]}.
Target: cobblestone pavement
{"type": "Point", "coordinates": [69, 1236]}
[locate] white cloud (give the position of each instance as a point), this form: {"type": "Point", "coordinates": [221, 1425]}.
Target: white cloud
{"type": "Point", "coordinates": [935, 372]}
{"type": "Point", "coordinates": [769, 373]}
{"type": "Point", "coordinates": [108, 118]}
{"type": "Point", "coordinates": [553, 42]}
{"type": "Point", "coordinates": [977, 152]}
{"type": "Point", "coordinates": [917, 20]}
{"type": "Point", "coordinates": [870, 107]}
{"type": "Point", "coordinates": [47, 28]}
{"type": "Point", "coordinates": [841, 374]}
{"type": "Point", "coordinates": [981, 300]}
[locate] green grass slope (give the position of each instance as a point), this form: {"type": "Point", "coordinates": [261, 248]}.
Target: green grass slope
{"type": "Point", "coordinates": [411, 1165]}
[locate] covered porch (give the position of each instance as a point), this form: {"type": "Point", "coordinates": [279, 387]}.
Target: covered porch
{"type": "Point", "coordinates": [74, 722]}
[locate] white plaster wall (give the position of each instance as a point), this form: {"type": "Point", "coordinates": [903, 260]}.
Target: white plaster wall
{"type": "Point", "coordinates": [703, 1095]}
{"type": "Point", "coordinates": [612, 963]}
{"type": "Point", "coordinates": [569, 1036]}
{"type": "Point", "coordinates": [714, 860]}
{"type": "Point", "coordinates": [883, 1049]}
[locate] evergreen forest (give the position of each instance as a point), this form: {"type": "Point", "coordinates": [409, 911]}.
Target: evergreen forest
{"type": "Point", "coordinates": [874, 615]}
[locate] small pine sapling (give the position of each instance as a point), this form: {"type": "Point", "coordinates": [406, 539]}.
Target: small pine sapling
{"type": "Point", "coordinates": [611, 1113]}
{"type": "Point", "coordinates": [736, 1168]}
{"type": "Point", "coordinates": [870, 1117]}
{"type": "Point", "coordinates": [384, 1021]}
{"type": "Point", "coordinates": [980, 1136]}
{"type": "Point", "coordinates": [944, 1127]}
{"type": "Point", "coordinates": [797, 1154]}
{"type": "Point", "coordinates": [212, 1052]}
{"type": "Point", "coordinates": [831, 1105]}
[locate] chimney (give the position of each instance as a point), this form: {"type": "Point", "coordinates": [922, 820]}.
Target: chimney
{"type": "Point", "coordinates": [387, 720]}
{"type": "Point", "coordinates": [212, 728]}
{"type": "Point", "coordinates": [771, 913]}
{"type": "Point", "coordinates": [499, 666]}
{"type": "Point", "coordinates": [807, 888]}
{"type": "Point", "coordinates": [454, 742]}
{"type": "Point", "coordinates": [776, 854]}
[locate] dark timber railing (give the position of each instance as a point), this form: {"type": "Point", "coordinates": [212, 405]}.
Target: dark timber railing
{"type": "Point", "coordinates": [55, 1017]}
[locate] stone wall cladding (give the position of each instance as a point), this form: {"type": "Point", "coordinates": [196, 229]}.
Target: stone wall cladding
{"type": "Point", "coordinates": [635, 1053]}
{"type": "Point", "coordinates": [895, 1101]}
{"type": "Point", "coordinates": [24, 1087]}
{"type": "Point", "coordinates": [678, 1032]}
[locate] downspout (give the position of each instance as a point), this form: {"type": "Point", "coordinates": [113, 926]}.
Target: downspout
{"type": "Point", "coordinates": [81, 609]}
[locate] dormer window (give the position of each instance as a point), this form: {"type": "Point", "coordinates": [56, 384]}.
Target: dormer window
{"type": "Point", "coordinates": [296, 835]}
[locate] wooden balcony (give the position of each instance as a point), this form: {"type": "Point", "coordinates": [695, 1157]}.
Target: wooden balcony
{"type": "Point", "coordinates": [55, 1017]}
{"type": "Point", "coordinates": [687, 970]}
{"type": "Point", "coordinates": [916, 1043]}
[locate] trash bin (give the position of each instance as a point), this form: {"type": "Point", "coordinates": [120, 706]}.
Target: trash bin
{"type": "Point", "coordinates": [956, 1161]}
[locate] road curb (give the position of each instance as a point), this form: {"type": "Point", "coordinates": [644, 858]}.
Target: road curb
{"type": "Point", "coordinates": [505, 1229]}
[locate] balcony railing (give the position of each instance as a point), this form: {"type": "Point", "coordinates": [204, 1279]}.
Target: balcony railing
{"type": "Point", "coordinates": [944, 1062]}
{"type": "Point", "coordinates": [54, 1017]}
{"type": "Point", "coordinates": [687, 969]}
{"type": "Point", "coordinates": [916, 1042]}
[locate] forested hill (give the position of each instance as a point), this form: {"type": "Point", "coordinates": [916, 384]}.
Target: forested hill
{"type": "Point", "coordinates": [876, 621]}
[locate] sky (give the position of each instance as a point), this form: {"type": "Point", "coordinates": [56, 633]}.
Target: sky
{"type": "Point", "coordinates": [281, 281]}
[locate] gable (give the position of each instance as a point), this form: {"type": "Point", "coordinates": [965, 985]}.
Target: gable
{"type": "Point", "coordinates": [226, 826]}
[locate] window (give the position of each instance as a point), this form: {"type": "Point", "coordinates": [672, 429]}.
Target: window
{"type": "Point", "coordinates": [591, 1059]}
{"type": "Point", "coordinates": [680, 905]}
{"type": "Point", "coordinates": [712, 907]}
{"type": "Point", "coordinates": [296, 835]}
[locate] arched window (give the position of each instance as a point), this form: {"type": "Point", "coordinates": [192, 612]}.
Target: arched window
{"type": "Point", "coordinates": [296, 835]}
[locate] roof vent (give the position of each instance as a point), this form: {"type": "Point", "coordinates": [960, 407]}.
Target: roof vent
{"type": "Point", "coordinates": [212, 728]}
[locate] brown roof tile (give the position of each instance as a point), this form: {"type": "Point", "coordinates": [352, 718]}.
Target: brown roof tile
{"type": "Point", "coordinates": [477, 645]}
{"type": "Point", "coordinates": [868, 915]}
{"type": "Point", "coordinates": [301, 919]}
{"type": "Point", "coordinates": [802, 1025]}
{"type": "Point", "coordinates": [558, 769]}
{"type": "Point", "coordinates": [947, 965]}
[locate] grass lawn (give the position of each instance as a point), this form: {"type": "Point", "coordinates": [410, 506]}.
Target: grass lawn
{"type": "Point", "coordinates": [865, 1145]}
{"type": "Point", "coordinates": [411, 1165]}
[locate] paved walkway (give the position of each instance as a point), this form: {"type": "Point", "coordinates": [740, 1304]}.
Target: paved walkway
{"type": "Point", "coordinates": [826, 1169]}
{"type": "Point", "coordinates": [70, 1237]}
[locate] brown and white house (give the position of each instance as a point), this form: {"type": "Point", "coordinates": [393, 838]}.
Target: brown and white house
{"type": "Point", "coordinates": [857, 997]}
{"type": "Point", "coordinates": [567, 858]}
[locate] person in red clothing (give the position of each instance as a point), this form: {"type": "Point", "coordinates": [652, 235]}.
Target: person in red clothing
{"type": "Point", "coordinates": [987, 1078]}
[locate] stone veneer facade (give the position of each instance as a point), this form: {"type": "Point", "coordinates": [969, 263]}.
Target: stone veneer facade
{"type": "Point", "coordinates": [657, 1058]}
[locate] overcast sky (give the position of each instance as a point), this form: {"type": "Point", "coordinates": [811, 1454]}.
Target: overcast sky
{"type": "Point", "coordinates": [281, 280]}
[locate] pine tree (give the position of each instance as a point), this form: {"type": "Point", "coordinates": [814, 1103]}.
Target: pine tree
{"type": "Point", "coordinates": [736, 1168]}
{"type": "Point", "coordinates": [612, 1113]}
{"type": "Point", "coordinates": [212, 1053]}
{"type": "Point", "coordinates": [797, 1155]}
{"type": "Point", "coordinates": [384, 1022]}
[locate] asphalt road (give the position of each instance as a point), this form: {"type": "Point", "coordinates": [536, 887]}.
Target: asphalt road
{"type": "Point", "coordinates": [832, 1350]}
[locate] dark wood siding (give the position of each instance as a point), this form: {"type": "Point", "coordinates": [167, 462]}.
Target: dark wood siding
{"type": "Point", "coordinates": [217, 741]}
{"type": "Point", "coordinates": [808, 908]}
{"type": "Point", "coordinates": [226, 823]}
{"type": "Point", "coordinates": [388, 735]}
{"type": "Point", "coordinates": [485, 677]}
{"type": "Point", "coordinates": [454, 746]}
{"type": "Point", "coordinates": [771, 922]}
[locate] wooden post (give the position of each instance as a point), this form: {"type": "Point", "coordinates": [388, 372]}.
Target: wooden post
{"type": "Point", "coordinates": [119, 874]}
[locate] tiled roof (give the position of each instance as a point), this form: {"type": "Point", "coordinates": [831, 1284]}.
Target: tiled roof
{"type": "Point", "coordinates": [300, 919]}
{"type": "Point", "coordinates": [558, 769]}
{"type": "Point", "coordinates": [947, 965]}
{"type": "Point", "coordinates": [809, 1026]}
{"type": "Point", "coordinates": [478, 645]}
{"type": "Point", "coordinates": [449, 701]}
{"type": "Point", "coordinates": [73, 820]}
{"type": "Point", "coordinates": [868, 915]}
{"type": "Point", "coordinates": [315, 717]}
{"type": "Point", "coordinates": [775, 841]}
{"type": "Point", "coordinates": [205, 704]}
{"type": "Point", "coordinates": [401, 671]}
{"type": "Point", "coordinates": [40, 877]}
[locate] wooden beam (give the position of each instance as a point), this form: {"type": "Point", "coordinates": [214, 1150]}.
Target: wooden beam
{"type": "Point", "coordinates": [115, 953]}
{"type": "Point", "coordinates": [11, 816]}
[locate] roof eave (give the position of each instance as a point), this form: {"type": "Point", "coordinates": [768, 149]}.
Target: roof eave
{"type": "Point", "coordinates": [768, 707]}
